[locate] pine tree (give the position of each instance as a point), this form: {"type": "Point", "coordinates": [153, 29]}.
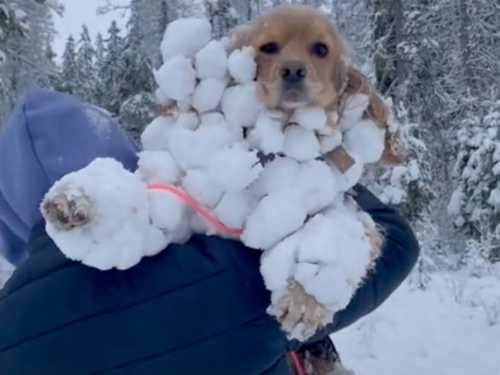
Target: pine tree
{"type": "Point", "coordinates": [222, 16]}
{"type": "Point", "coordinates": [86, 74]}
{"type": "Point", "coordinates": [68, 81]}
{"type": "Point", "coordinates": [26, 32]}
{"type": "Point", "coordinates": [475, 204]}
{"type": "Point", "coordinates": [137, 78]}
{"type": "Point", "coordinates": [112, 70]}
{"type": "Point", "coordinates": [100, 62]}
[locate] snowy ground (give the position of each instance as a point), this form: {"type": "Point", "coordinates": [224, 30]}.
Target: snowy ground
{"type": "Point", "coordinates": [452, 328]}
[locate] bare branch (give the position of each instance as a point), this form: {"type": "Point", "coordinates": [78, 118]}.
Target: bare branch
{"type": "Point", "coordinates": [112, 6]}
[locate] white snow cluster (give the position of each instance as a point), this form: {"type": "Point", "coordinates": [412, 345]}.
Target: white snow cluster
{"type": "Point", "coordinates": [212, 145]}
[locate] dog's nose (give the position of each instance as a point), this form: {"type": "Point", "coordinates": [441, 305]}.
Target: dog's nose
{"type": "Point", "coordinates": [293, 72]}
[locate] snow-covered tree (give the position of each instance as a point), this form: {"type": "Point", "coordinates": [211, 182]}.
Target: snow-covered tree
{"type": "Point", "coordinates": [26, 32]}
{"type": "Point", "coordinates": [100, 62]}
{"type": "Point", "coordinates": [68, 81]}
{"type": "Point", "coordinates": [137, 81]}
{"type": "Point", "coordinates": [111, 72]}
{"type": "Point", "coordinates": [222, 16]}
{"type": "Point", "coordinates": [86, 73]}
{"type": "Point", "coordinates": [475, 204]}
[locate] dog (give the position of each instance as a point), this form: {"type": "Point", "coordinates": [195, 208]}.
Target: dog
{"type": "Point", "coordinates": [302, 60]}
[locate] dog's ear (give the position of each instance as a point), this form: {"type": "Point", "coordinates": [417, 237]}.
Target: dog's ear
{"type": "Point", "coordinates": [341, 76]}
{"type": "Point", "coordinates": [378, 111]}
{"type": "Point", "coordinates": [355, 82]}
{"type": "Point", "coordinates": [394, 152]}
{"type": "Point", "coordinates": [241, 36]}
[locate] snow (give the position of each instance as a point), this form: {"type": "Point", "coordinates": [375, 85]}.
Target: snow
{"type": "Point", "coordinates": [188, 120]}
{"type": "Point", "coordinates": [311, 118]}
{"type": "Point", "coordinates": [176, 78]}
{"type": "Point", "coordinates": [365, 140]}
{"type": "Point", "coordinates": [241, 105]}
{"type": "Point", "coordinates": [158, 166]}
{"type": "Point", "coordinates": [442, 330]}
{"type": "Point", "coordinates": [123, 235]}
{"type": "Point", "coordinates": [234, 208]}
{"type": "Point", "coordinates": [330, 142]}
{"type": "Point", "coordinates": [242, 65]}
{"type": "Point", "coordinates": [155, 136]}
{"type": "Point", "coordinates": [275, 217]}
{"type": "Point", "coordinates": [317, 185]}
{"type": "Point", "coordinates": [455, 202]}
{"type": "Point", "coordinates": [268, 134]}
{"type": "Point", "coordinates": [234, 168]}
{"type": "Point", "coordinates": [202, 185]}
{"type": "Point", "coordinates": [301, 144]}
{"type": "Point", "coordinates": [185, 37]}
{"type": "Point", "coordinates": [496, 169]}
{"type": "Point", "coordinates": [211, 61]}
{"type": "Point", "coordinates": [494, 199]}
{"type": "Point", "coordinates": [278, 175]}
{"type": "Point", "coordinates": [208, 94]}
{"type": "Point", "coordinates": [354, 109]}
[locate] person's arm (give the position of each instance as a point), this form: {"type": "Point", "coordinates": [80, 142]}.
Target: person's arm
{"type": "Point", "coordinates": [399, 254]}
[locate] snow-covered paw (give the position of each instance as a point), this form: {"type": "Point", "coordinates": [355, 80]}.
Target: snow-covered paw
{"type": "Point", "coordinates": [68, 210]}
{"type": "Point", "coordinates": [299, 313]}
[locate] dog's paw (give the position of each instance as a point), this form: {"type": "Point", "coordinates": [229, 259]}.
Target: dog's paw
{"type": "Point", "coordinates": [299, 313]}
{"type": "Point", "coordinates": [68, 210]}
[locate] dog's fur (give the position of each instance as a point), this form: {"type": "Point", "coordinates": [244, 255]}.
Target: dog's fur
{"type": "Point", "coordinates": [296, 33]}
{"type": "Point", "coordinates": [286, 39]}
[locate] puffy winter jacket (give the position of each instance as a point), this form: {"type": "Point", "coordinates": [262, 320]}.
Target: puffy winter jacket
{"type": "Point", "coordinates": [197, 308]}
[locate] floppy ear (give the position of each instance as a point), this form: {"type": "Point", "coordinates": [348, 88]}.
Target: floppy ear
{"type": "Point", "coordinates": [241, 36]}
{"type": "Point", "coordinates": [340, 78]}
{"type": "Point", "coordinates": [378, 111]}
{"type": "Point", "coordinates": [356, 82]}
{"type": "Point", "coordinates": [394, 152]}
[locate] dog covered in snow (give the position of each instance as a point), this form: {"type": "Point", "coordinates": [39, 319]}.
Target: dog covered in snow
{"type": "Point", "coordinates": [303, 61]}
{"type": "Point", "coordinates": [278, 167]}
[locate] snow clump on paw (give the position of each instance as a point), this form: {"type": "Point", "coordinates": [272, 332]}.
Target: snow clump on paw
{"type": "Point", "coordinates": [118, 232]}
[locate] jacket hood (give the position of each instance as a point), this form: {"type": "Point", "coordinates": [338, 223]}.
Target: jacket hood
{"type": "Point", "coordinates": [48, 136]}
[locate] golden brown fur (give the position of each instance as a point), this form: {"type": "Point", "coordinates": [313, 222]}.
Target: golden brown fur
{"type": "Point", "coordinates": [329, 80]}
{"type": "Point", "coordinates": [286, 41]}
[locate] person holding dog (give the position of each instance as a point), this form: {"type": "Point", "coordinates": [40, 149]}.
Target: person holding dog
{"type": "Point", "coordinates": [198, 308]}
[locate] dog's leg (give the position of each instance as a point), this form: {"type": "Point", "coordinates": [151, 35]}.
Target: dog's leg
{"type": "Point", "coordinates": [68, 210]}
{"type": "Point", "coordinates": [299, 313]}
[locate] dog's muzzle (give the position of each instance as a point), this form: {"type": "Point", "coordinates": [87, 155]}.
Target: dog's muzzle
{"type": "Point", "coordinates": [293, 76]}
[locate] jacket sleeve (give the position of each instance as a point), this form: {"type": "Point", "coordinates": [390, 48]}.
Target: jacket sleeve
{"type": "Point", "coordinates": [399, 254]}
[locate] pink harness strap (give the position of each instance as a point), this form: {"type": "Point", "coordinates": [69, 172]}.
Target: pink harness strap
{"type": "Point", "coordinates": [197, 206]}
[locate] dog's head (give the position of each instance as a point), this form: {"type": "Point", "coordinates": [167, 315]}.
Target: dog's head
{"type": "Point", "coordinates": [300, 57]}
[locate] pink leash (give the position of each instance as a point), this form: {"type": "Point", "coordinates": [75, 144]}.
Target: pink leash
{"type": "Point", "coordinates": [197, 206]}
{"type": "Point", "coordinates": [221, 227]}
{"type": "Point", "coordinates": [298, 366]}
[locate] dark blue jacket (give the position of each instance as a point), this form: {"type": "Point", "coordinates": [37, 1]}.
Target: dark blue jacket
{"type": "Point", "coordinates": [197, 308]}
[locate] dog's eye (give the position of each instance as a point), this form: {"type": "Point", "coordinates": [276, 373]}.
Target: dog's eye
{"type": "Point", "coordinates": [270, 48]}
{"type": "Point", "coordinates": [320, 49]}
